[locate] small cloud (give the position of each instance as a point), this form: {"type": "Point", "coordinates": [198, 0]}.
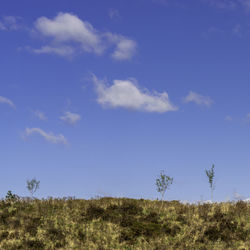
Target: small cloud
{"type": "Point", "coordinates": [10, 23]}
{"type": "Point", "coordinates": [68, 35]}
{"type": "Point", "coordinates": [125, 49]}
{"type": "Point", "coordinates": [237, 30]}
{"type": "Point", "coordinates": [224, 4]}
{"type": "Point", "coordinates": [50, 137]}
{"type": "Point", "coordinates": [5, 100]}
{"type": "Point", "coordinates": [70, 117]}
{"type": "Point", "coordinates": [113, 13]}
{"type": "Point", "coordinates": [237, 196]}
{"type": "Point", "coordinates": [229, 4]}
{"type": "Point", "coordinates": [65, 51]}
{"type": "Point", "coordinates": [126, 94]}
{"type": "Point", "coordinates": [247, 118]}
{"type": "Point", "coordinates": [2, 26]}
{"type": "Point", "coordinates": [66, 27]}
{"type": "Point", "coordinates": [40, 115]}
{"type": "Point", "coordinates": [212, 31]}
{"type": "Point", "coordinates": [245, 4]}
{"type": "Point", "coordinates": [228, 118]}
{"type": "Point", "coordinates": [198, 99]}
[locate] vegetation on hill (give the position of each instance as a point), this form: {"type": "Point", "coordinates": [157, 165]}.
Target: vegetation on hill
{"type": "Point", "coordinates": [120, 223]}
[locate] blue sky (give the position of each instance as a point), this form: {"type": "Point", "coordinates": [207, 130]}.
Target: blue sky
{"type": "Point", "coordinates": [97, 97]}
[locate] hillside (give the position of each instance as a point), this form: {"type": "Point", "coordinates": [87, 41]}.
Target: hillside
{"type": "Point", "coordinates": [120, 223]}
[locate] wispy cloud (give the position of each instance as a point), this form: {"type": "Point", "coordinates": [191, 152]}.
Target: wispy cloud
{"type": "Point", "coordinates": [245, 4]}
{"type": "Point", "coordinates": [10, 23]}
{"type": "Point", "coordinates": [126, 94]}
{"type": "Point", "coordinates": [5, 100]}
{"type": "Point", "coordinates": [40, 115]}
{"type": "Point", "coordinates": [212, 31]}
{"type": "Point", "coordinates": [229, 4]}
{"type": "Point", "coordinates": [175, 3]}
{"type": "Point", "coordinates": [223, 4]}
{"type": "Point", "coordinates": [198, 99]}
{"type": "Point", "coordinates": [65, 51]}
{"type": "Point", "coordinates": [70, 117]}
{"type": "Point", "coordinates": [237, 30]}
{"type": "Point", "coordinates": [247, 118]}
{"type": "Point", "coordinates": [68, 34]}
{"type": "Point", "coordinates": [229, 118]}
{"type": "Point", "coordinates": [50, 137]}
{"type": "Point", "coordinates": [237, 196]}
{"type": "Point", "coordinates": [114, 13]}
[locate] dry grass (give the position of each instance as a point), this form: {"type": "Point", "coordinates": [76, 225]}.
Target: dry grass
{"type": "Point", "coordinates": [112, 223]}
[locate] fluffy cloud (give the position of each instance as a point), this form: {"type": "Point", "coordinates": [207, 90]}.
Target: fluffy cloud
{"type": "Point", "coordinates": [66, 27]}
{"type": "Point", "coordinates": [126, 94]}
{"type": "Point", "coordinates": [40, 115]}
{"type": "Point", "coordinates": [50, 137]}
{"type": "Point", "coordinates": [70, 117]}
{"type": "Point", "coordinates": [68, 33]}
{"type": "Point", "coordinates": [198, 99]}
{"type": "Point", "coordinates": [7, 101]}
{"type": "Point", "coordinates": [124, 50]}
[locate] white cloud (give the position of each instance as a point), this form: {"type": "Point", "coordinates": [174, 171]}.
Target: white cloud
{"type": "Point", "coordinates": [50, 137]}
{"type": "Point", "coordinates": [198, 99]}
{"type": "Point", "coordinates": [66, 27]}
{"type": "Point", "coordinates": [10, 23]}
{"type": "Point", "coordinates": [70, 117]}
{"type": "Point", "coordinates": [40, 115]}
{"type": "Point", "coordinates": [125, 49]}
{"type": "Point", "coordinates": [223, 4]}
{"type": "Point", "coordinates": [230, 4]}
{"type": "Point", "coordinates": [70, 34]}
{"type": "Point", "coordinates": [237, 196]}
{"type": "Point", "coordinates": [7, 101]}
{"type": "Point", "coordinates": [66, 51]}
{"type": "Point", "coordinates": [126, 94]}
{"type": "Point", "coordinates": [114, 13]}
{"type": "Point", "coordinates": [2, 26]}
{"type": "Point", "coordinates": [212, 31]}
{"type": "Point", "coordinates": [245, 4]}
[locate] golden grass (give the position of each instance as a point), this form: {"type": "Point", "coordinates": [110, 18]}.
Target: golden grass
{"type": "Point", "coordinates": [120, 223]}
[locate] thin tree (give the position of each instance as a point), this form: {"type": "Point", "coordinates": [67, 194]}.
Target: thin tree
{"type": "Point", "coordinates": [32, 186]}
{"type": "Point", "coordinates": [210, 175]}
{"type": "Point", "coordinates": [163, 183]}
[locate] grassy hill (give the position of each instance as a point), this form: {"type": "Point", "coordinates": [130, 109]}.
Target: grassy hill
{"type": "Point", "coordinates": [120, 223]}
